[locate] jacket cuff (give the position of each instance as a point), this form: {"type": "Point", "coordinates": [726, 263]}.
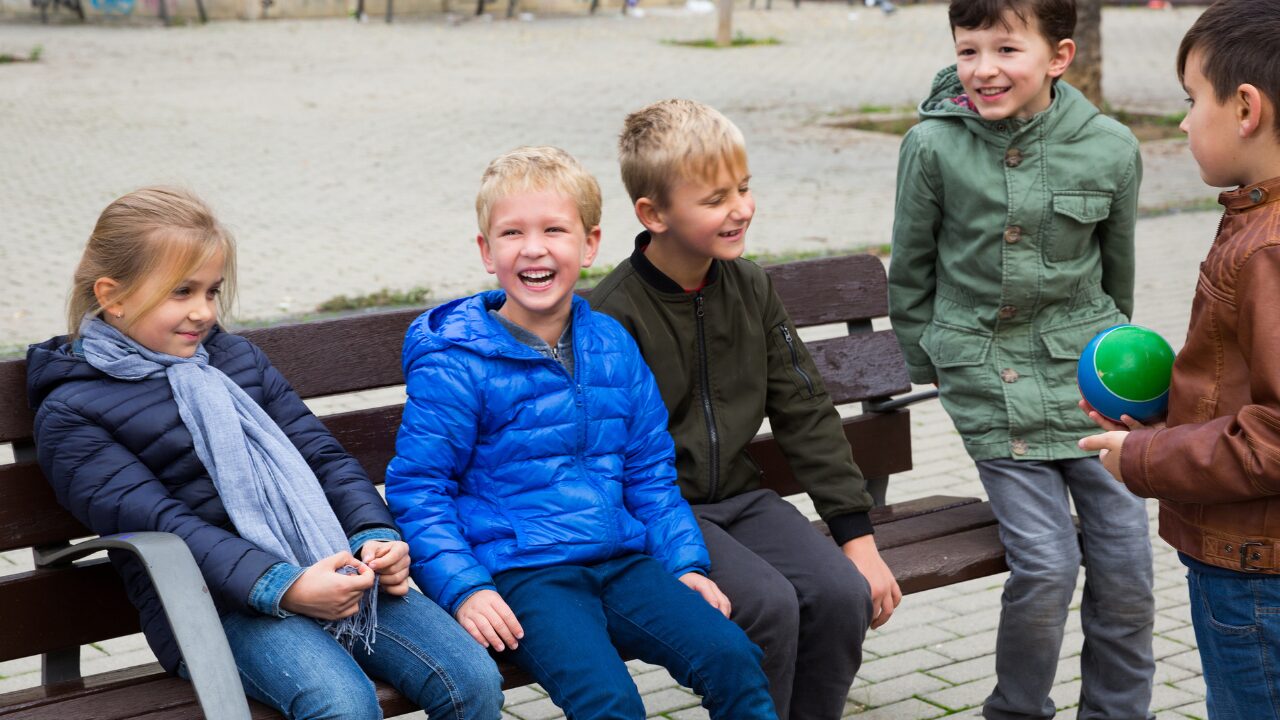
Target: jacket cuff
{"type": "Point", "coordinates": [1133, 471]}
{"type": "Point", "coordinates": [377, 533]}
{"type": "Point", "coordinates": [271, 587]}
{"type": "Point", "coordinates": [922, 374]}
{"type": "Point", "coordinates": [850, 527]}
{"type": "Point", "coordinates": [453, 610]}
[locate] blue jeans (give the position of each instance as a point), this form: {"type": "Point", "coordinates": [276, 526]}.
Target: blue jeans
{"type": "Point", "coordinates": [296, 667]}
{"type": "Point", "coordinates": [1237, 622]}
{"type": "Point", "coordinates": [575, 616]}
{"type": "Point", "coordinates": [1117, 613]}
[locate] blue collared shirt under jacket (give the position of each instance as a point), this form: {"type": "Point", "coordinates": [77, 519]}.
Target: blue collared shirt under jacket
{"type": "Point", "coordinates": [506, 461]}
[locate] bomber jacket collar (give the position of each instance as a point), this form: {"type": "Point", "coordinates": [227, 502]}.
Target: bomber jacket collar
{"type": "Point", "coordinates": [655, 278]}
{"type": "Point", "coordinates": [1247, 198]}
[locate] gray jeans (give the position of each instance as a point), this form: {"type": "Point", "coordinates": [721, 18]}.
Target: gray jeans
{"type": "Point", "coordinates": [1117, 613]}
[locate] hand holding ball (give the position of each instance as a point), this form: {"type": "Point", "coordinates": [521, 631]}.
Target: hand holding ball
{"type": "Point", "coordinates": [1125, 370]}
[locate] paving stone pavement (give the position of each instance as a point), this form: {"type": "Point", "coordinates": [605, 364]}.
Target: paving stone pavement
{"type": "Point", "coordinates": [332, 148]}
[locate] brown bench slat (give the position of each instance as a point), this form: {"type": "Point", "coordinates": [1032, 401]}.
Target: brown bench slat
{"type": "Point", "coordinates": [861, 367]}
{"type": "Point", "coordinates": [907, 509]}
{"type": "Point", "coordinates": [15, 417]}
{"type": "Point", "coordinates": [934, 525]}
{"type": "Point", "coordinates": [320, 358]}
{"type": "Point", "coordinates": [29, 513]}
{"type": "Point", "coordinates": [832, 290]}
{"type": "Point", "coordinates": [45, 609]}
{"type": "Point", "coordinates": [881, 446]}
{"type": "Point", "coordinates": [33, 697]}
{"type": "Point", "coordinates": [947, 560]}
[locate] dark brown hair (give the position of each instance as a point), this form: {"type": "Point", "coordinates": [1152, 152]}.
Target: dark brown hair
{"type": "Point", "coordinates": [1055, 18]}
{"type": "Point", "coordinates": [1239, 43]}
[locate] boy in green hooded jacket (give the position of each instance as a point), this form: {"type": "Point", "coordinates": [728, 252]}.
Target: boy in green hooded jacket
{"type": "Point", "coordinates": [1012, 247]}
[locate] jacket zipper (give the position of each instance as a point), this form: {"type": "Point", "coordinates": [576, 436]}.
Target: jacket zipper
{"type": "Point", "coordinates": [795, 356]}
{"type": "Point", "coordinates": [708, 411]}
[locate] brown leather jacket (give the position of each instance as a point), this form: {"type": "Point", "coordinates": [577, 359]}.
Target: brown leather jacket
{"type": "Point", "coordinates": [1216, 467]}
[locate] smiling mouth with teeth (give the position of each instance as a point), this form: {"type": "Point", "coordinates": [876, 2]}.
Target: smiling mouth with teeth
{"type": "Point", "coordinates": [537, 278]}
{"type": "Point", "coordinates": [992, 91]}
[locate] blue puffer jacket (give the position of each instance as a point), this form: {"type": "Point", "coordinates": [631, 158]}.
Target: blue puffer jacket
{"type": "Point", "coordinates": [120, 460]}
{"type": "Point", "coordinates": [505, 461]}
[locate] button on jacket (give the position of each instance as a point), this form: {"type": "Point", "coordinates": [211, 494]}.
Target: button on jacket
{"type": "Point", "coordinates": [1012, 247]}
{"type": "Point", "coordinates": [1216, 466]}
{"type": "Point", "coordinates": [726, 356]}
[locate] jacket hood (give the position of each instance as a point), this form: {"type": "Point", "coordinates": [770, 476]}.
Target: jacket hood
{"type": "Point", "coordinates": [466, 323]}
{"type": "Point", "coordinates": [1068, 112]}
{"type": "Point", "coordinates": [52, 363]}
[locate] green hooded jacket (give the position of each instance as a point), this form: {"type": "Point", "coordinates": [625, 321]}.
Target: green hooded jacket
{"type": "Point", "coordinates": [1012, 247]}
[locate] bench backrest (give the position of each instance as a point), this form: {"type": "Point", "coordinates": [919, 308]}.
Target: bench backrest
{"type": "Point", "coordinates": [52, 609]}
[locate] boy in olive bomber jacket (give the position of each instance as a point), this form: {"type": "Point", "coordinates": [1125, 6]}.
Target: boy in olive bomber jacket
{"type": "Point", "coordinates": [725, 354]}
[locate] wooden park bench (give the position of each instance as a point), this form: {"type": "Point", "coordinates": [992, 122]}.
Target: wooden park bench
{"type": "Point", "coordinates": [58, 607]}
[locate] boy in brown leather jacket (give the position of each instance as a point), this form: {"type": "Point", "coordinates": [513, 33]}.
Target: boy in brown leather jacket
{"type": "Point", "coordinates": [1215, 464]}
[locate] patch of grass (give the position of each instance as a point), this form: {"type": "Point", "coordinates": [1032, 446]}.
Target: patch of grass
{"type": "Point", "coordinates": [871, 109]}
{"type": "Point", "coordinates": [589, 276]}
{"type": "Point", "coordinates": [1144, 126]}
{"type": "Point", "coordinates": [33, 56]}
{"type": "Point", "coordinates": [739, 40]}
{"type": "Point", "coordinates": [777, 258]}
{"type": "Point", "coordinates": [379, 299]}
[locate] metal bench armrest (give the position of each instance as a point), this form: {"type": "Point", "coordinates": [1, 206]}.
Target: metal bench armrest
{"type": "Point", "coordinates": [190, 611]}
{"type": "Point", "coordinates": [891, 404]}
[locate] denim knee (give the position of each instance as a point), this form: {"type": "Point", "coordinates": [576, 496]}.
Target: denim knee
{"type": "Point", "coordinates": [479, 695]}
{"type": "Point", "coordinates": [353, 701]}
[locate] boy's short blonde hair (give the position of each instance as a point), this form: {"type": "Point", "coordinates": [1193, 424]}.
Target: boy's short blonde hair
{"type": "Point", "coordinates": [675, 140]}
{"type": "Point", "coordinates": [531, 169]}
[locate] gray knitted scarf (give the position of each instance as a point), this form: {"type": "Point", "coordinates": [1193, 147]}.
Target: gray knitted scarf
{"type": "Point", "coordinates": [266, 486]}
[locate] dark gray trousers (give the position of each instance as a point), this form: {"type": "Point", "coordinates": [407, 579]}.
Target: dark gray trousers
{"type": "Point", "coordinates": [795, 594]}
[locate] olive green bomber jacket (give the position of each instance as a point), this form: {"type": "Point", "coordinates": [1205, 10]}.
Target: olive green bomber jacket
{"type": "Point", "coordinates": [724, 357]}
{"type": "Point", "coordinates": [1013, 244]}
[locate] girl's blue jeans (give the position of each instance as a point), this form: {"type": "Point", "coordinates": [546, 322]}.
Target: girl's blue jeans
{"type": "Point", "coordinates": [1237, 622]}
{"type": "Point", "coordinates": [575, 616]}
{"type": "Point", "coordinates": [296, 667]}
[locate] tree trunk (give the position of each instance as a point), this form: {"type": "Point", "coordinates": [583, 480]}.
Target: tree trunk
{"type": "Point", "coordinates": [724, 28]}
{"type": "Point", "coordinates": [1086, 72]}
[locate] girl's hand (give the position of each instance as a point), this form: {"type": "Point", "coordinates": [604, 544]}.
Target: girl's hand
{"type": "Point", "coordinates": [326, 594]}
{"type": "Point", "coordinates": [709, 591]}
{"type": "Point", "coordinates": [490, 621]}
{"type": "Point", "coordinates": [389, 559]}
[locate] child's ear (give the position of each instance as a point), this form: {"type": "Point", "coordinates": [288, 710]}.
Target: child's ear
{"type": "Point", "coordinates": [105, 289]}
{"type": "Point", "coordinates": [1252, 109]}
{"type": "Point", "coordinates": [485, 256]}
{"type": "Point", "coordinates": [650, 216]}
{"type": "Point", "coordinates": [1062, 57]}
{"type": "Point", "coordinates": [591, 246]}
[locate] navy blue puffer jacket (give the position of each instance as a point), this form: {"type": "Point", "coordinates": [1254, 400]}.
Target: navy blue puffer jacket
{"type": "Point", "coordinates": [120, 460]}
{"type": "Point", "coordinates": [505, 461]}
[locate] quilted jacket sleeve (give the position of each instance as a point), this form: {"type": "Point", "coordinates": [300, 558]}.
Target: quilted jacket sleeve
{"type": "Point", "coordinates": [650, 491]}
{"type": "Point", "coordinates": [437, 434]}
{"type": "Point", "coordinates": [108, 489]}
{"type": "Point", "coordinates": [351, 494]}
{"type": "Point", "coordinates": [917, 218]}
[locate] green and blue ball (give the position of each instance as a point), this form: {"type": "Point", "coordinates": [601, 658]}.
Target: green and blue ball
{"type": "Point", "coordinates": [1125, 370]}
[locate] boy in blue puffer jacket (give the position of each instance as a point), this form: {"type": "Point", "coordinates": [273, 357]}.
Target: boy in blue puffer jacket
{"type": "Point", "coordinates": [534, 477]}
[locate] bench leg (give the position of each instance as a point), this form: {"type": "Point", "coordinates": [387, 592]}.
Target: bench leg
{"type": "Point", "coordinates": [60, 665]}
{"type": "Point", "coordinates": [878, 487]}
{"type": "Point", "coordinates": [204, 17]}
